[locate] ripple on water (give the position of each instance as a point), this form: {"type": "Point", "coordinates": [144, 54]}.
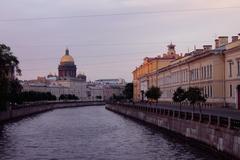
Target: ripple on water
{"type": "Point", "coordinates": [90, 133]}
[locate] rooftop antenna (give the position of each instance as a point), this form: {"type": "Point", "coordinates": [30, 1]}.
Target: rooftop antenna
{"type": "Point", "coordinates": [195, 48]}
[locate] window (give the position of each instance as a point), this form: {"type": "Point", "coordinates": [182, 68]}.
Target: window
{"type": "Point", "coordinates": [193, 74]}
{"type": "Point", "coordinates": [210, 71]}
{"type": "Point", "coordinates": [238, 67]}
{"type": "Point", "coordinates": [184, 76]}
{"type": "Point", "coordinates": [190, 75]}
{"type": "Point", "coordinates": [230, 90]}
{"type": "Point", "coordinates": [205, 72]}
{"type": "Point", "coordinates": [205, 90]}
{"type": "Point", "coordinates": [230, 68]}
{"type": "Point", "coordinates": [208, 91]}
{"type": "Point", "coordinates": [198, 74]}
{"type": "Point", "coordinates": [211, 93]}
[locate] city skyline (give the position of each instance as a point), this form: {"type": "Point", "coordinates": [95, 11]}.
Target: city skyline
{"type": "Point", "coordinates": [103, 43]}
{"type": "Point", "coordinates": [120, 79]}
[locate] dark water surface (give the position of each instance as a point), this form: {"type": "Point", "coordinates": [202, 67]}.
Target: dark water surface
{"type": "Point", "coordinates": [90, 133]}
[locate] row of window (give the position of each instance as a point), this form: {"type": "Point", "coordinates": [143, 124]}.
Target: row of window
{"type": "Point", "coordinates": [232, 91]}
{"type": "Point", "coordinates": [175, 77]}
{"type": "Point", "coordinates": [207, 91]}
{"type": "Point", "coordinates": [204, 72]}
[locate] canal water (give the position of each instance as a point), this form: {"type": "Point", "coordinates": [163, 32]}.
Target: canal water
{"type": "Point", "coordinates": [90, 133]}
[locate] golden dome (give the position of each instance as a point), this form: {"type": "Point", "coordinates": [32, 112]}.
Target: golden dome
{"type": "Point", "coordinates": [67, 58]}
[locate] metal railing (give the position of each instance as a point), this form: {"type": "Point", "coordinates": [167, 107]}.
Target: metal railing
{"type": "Point", "coordinates": [205, 118]}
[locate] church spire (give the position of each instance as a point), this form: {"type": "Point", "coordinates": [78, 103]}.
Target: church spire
{"type": "Point", "coordinates": [171, 49]}
{"type": "Point", "coordinates": [67, 52]}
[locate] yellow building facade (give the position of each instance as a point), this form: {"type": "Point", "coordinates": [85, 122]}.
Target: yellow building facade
{"type": "Point", "coordinates": [205, 68]}
{"type": "Point", "coordinates": [232, 73]}
{"type": "Point", "coordinates": [145, 75]}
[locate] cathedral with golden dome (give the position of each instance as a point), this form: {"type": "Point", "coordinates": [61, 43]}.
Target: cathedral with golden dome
{"type": "Point", "coordinates": [67, 68]}
{"type": "Point", "coordinates": [69, 82]}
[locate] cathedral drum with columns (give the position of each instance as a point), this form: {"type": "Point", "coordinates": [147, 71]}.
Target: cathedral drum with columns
{"type": "Point", "coordinates": [67, 68]}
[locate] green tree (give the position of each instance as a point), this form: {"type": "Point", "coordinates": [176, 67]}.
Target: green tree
{"type": "Point", "coordinates": [8, 64]}
{"type": "Point", "coordinates": [68, 97]}
{"type": "Point", "coordinates": [179, 96]}
{"type": "Point", "coordinates": [14, 91]}
{"type": "Point", "coordinates": [99, 97]}
{"type": "Point", "coordinates": [117, 97]}
{"type": "Point", "coordinates": [33, 96]}
{"type": "Point", "coordinates": [3, 93]}
{"type": "Point", "coordinates": [128, 91]}
{"type": "Point", "coordinates": [194, 95]}
{"type": "Point", "coordinates": [154, 93]}
{"type": "Point", "coordinates": [8, 61]}
{"type": "Point", "coordinates": [142, 95]}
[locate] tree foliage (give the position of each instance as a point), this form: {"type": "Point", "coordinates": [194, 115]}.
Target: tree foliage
{"type": "Point", "coordinates": [179, 95]}
{"type": "Point", "coordinates": [154, 93]}
{"type": "Point", "coordinates": [8, 61]}
{"type": "Point", "coordinates": [8, 64]}
{"type": "Point", "coordinates": [194, 95]}
{"type": "Point", "coordinates": [68, 97]}
{"type": "Point", "coordinates": [14, 92]}
{"type": "Point", "coordinates": [3, 93]}
{"type": "Point", "coordinates": [99, 97]}
{"type": "Point", "coordinates": [117, 97]}
{"type": "Point", "coordinates": [33, 96]}
{"type": "Point", "coordinates": [128, 91]}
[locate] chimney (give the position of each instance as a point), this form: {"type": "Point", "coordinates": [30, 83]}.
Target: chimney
{"type": "Point", "coordinates": [234, 38]}
{"type": "Point", "coordinates": [216, 43]}
{"type": "Point", "coordinates": [223, 40]}
{"type": "Point", "coordinates": [207, 47]}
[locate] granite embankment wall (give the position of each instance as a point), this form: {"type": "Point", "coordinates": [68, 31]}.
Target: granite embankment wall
{"type": "Point", "coordinates": [223, 139]}
{"type": "Point", "coordinates": [22, 111]}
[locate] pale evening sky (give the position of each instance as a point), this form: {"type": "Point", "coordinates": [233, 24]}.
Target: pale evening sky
{"type": "Point", "coordinates": [109, 46]}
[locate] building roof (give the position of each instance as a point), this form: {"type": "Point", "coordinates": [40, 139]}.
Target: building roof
{"type": "Point", "coordinates": [189, 58]}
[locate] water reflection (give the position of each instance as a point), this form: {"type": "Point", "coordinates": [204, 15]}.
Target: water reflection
{"type": "Point", "coordinates": [90, 133]}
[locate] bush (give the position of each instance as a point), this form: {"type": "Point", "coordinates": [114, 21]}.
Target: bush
{"type": "Point", "coordinates": [179, 96]}
{"type": "Point", "coordinates": [194, 95]}
{"type": "Point", "coordinates": [98, 97]}
{"type": "Point", "coordinates": [153, 93]}
{"type": "Point", "coordinates": [117, 98]}
{"type": "Point", "coordinates": [68, 97]}
{"type": "Point", "coordinates": [128, 91]}
{"type": "Point", "coordinates": [33, 96]}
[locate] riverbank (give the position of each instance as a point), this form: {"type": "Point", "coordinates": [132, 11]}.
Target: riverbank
{"type": "Point", "coordinates": [34, 108]}
{"type": "Point", "coordinates": [216, 132]}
